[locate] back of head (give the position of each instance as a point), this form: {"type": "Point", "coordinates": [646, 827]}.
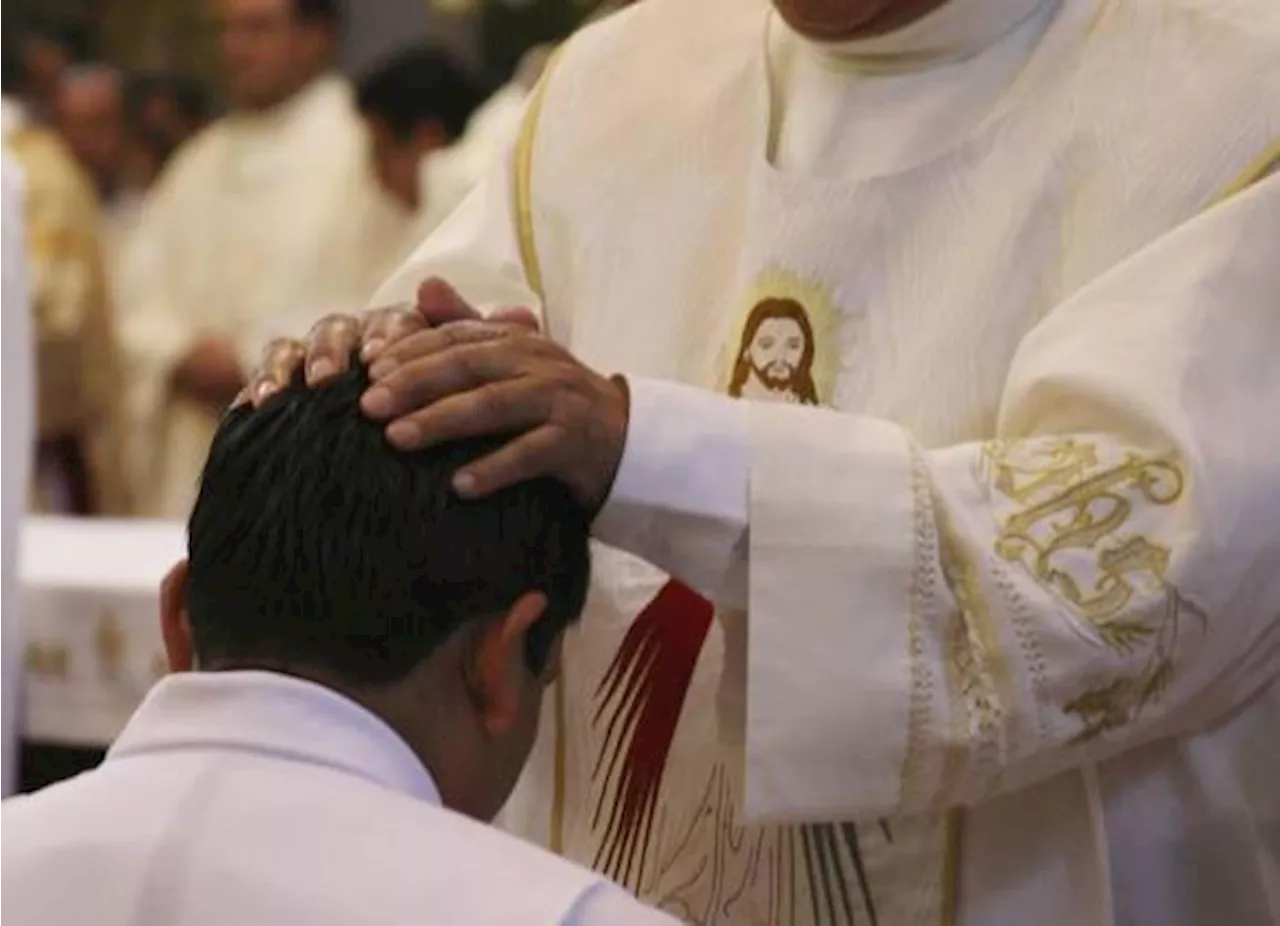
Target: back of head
{"type": "Point", "coordinates": [318, 548]}
{"type": "Point", "coordinates": [415, 88]}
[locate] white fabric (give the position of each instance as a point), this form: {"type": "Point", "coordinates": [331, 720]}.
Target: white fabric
{"type": "Point", "coordinates": [823, 96]}
{"type": "Point", "coordinates": [252, 798]}
{"type": "Point", "coordinates": [19, 438]}
{"type": "Point", "coordinates": [447, 175]}
{"type": "Point", "coordinates": [1051, 263]}
{"type": "Point", "coordinates": [93, 648]}
{"type": "Point", "coordinates": [237, 241]}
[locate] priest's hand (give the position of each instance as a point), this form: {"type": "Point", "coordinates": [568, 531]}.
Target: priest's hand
{"type": "Point", "coordinates": [469, 378]}
{"type": "Point", "coordinates": [326, 350]}
{"type": "Point", "coordinates": [210, 372]}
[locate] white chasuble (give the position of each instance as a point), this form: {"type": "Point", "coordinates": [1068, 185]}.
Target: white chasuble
{"type": "Point", "coordinates": [984, 582]}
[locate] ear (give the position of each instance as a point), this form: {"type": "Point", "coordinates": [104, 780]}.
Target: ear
{"type": "Point", "coordinates": [500, 675]}
{"type": "Point", "coordinates": [175, 620]}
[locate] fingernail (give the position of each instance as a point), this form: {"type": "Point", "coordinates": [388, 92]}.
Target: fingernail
{"type": "Point", "coordinates": [382, 368]}
{"type": "Point", "coordinates": [371, 349]}
{"type": "Point", "coordinates": [464, 483]}
{"type": "Point", "coordinates": [404, 434]}
{"type": "Point", "coordinates": [265, 391]}
{"type": "Point", "coordinates": [320, 370]}
{"type": "Point", "coordinates": [377, 402]}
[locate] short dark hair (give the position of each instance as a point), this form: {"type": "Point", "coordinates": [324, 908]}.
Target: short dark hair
{"type": "Point", "coordinates": [416, 87]}
{"type": "Point", "coordinates": [189, 96]}
{"type": "Point", "coordinates": [12, 71]}
{"type": "Point", "coordinates": [325, 12]}
{"type": "Point", "coordinates": [315, 544]}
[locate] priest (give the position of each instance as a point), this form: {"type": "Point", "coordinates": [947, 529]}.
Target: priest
{"type": "Point", "coordinates": [232, 235]}
{"type": "Point", "coordinates": [938, 469]}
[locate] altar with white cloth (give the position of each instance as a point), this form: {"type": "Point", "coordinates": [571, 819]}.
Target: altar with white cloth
{"type": "Point", "coordinates": [90, 616]}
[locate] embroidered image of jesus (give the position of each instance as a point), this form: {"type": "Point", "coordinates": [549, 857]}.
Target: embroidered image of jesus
{"type": "Point", "coordinates": [775, 355]}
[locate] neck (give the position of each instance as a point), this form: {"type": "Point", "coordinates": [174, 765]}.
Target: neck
{"type": "Point", "coordinates": [281, 104]}
{"type": "Point", "coordinates": [945, 34]}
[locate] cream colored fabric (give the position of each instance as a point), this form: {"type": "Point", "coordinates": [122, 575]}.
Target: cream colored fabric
{"type": "Point", "coordinates": [78, 365]}
{"type": "Point", "coordinates": [19, 438]}
{"type": "Point", "coordinates": [447, 175]}
{"type": "Point", "coordinates": [236, 242]}
{"type": "Point", "coordinates": [1007, 536]}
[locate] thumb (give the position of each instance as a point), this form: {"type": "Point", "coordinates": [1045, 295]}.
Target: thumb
{"type": "Point", "coordinates": [439, 303]}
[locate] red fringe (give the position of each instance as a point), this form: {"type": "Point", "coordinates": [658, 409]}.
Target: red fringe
{"type": "Point", "coordinates": [644, 692]}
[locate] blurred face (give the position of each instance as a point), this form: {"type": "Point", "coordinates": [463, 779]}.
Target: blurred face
{"type": "Point", "coordinates": [397, 162]}
{"type": "Point", "coordinates": [89, 114]}
{"type": "Point", "coordinates": [268, 54]}
{"type": "Point", "coordinates": [839, 20]}
{"type": "Point", "coordinates": [43, 62]}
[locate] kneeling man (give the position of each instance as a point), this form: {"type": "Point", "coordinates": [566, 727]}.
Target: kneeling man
{"type": "Point", "coordinates": [359, 659]}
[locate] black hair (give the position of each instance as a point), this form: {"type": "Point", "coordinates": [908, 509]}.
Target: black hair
{"type": "Point", "coordinates": [315, 544]}
{"type": "Point", "coordinates": [189, 96]}
{"type": "Point", "coordinates": [11, 68]}
{"type": "Point", "coordinates": [416, 87]}
{"type": "Point", "coordinates": [67, 33]}
{"type": "Point", "coordinates": [326, 12]}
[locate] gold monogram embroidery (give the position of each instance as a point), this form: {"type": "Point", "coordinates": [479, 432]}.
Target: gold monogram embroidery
{"type": "Point", "coordinates": [51, 659]}
{"type": "Point", "coordinates": [1070, 536]}
{"type": "Point", "coordinates": [109, 642]}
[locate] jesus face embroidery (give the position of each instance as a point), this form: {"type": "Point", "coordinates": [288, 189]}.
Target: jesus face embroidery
{"type": "Point", "coordinates": [775, 357]}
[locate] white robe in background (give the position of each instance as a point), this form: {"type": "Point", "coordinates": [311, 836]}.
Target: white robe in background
{"type": "Point", "coordinates": [19, 440]}
{"type": "Point", "coordinates": [234, 238]}
{"type": "Point", "coordinates": [262, 800]}
{"type": "Point", "coordinates": [447, 175]}
{"type": "Point", "coordinates": [1007, 543]}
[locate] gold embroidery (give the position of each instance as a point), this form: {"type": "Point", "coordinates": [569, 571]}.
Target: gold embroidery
{"type": "Point", "coordinates": [985, 689]}
{"type": "Point", "coordinates": [1261, 167]}
{"type": "Point", "coordinates": [52, 659]}
{"type": "Point", "coordinates": [1086, 507]}
{"type": "Point", "coordinates": [1117, 701]}
{"type": "Point", "coordinates": [1074, 507]}
{"type": "Point", "coordinates": [110, 645]}
{"type": "Point", "coordinates": [524, 182]}
{"type": "Point", "coordinates": [921, 574]}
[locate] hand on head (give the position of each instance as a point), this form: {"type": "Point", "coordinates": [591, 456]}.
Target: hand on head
{"type": "Point", "coordinates": [440, 372]}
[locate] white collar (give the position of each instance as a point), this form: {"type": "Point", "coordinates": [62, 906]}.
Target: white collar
{"type": "Point", "coordinates": [957, 30]}
{"type": "Point", "coordinates": [277, 715]}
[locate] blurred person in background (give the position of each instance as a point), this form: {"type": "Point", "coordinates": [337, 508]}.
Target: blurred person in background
{"type": "Point", "coordinates": [17, 386]}
{"type": "Point", "coordinates": [163, 111]}
{"type": "Point", "coordinates": [415, 105]}
{"type": "Point", "coordinates": [234, 233]}
{"type": "Point", "coordinates": [43, 48]}
{"type": "Point", "coordinates": [79, 398]}
{"type": "Point", "coordinates": [89, 114]}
